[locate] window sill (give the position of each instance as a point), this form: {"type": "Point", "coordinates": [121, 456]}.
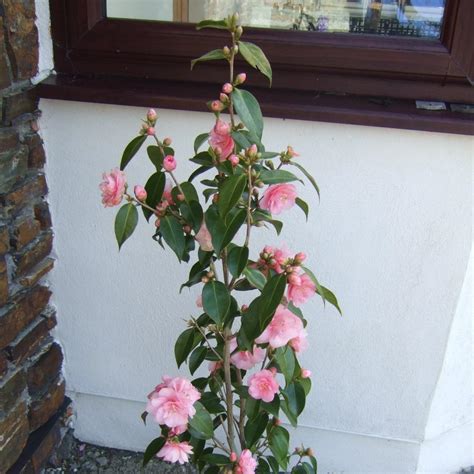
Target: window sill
{"type": "Point", "coordinates": [300, 105]}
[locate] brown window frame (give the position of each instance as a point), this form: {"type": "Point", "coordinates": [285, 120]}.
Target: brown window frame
{"type": "Point", "coordinates": [87, 44]}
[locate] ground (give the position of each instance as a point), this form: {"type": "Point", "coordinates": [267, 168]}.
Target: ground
{"type": "Point", "coordinates": [75, 456]}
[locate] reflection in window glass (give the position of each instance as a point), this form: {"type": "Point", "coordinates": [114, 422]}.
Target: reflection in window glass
{"type": "Point", "coordinates": [416, 18]}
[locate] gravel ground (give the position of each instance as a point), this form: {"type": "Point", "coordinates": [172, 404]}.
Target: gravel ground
{"type": "Point", "coordinates": [75, 456]}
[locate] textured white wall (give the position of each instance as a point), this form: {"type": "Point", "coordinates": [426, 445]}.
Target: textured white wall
{"type": "Point", "coordinates": [391, 236]}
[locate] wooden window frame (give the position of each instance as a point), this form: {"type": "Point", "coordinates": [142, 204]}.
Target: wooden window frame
{"type": "Point", "coordinates": [88, 44]}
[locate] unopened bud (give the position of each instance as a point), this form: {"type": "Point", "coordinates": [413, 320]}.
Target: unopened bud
{"type": "Point", "coordinates": [150, 131]}
{"type": "Point", "coordinates": [226, 50]}
{"type": "Point", "coordinates": [290, 152]}
{"type": "Point", "coordinates": [227, 88]}
{"type": "Point", "coordinates": [157, 223]}
{"type": "Point", "coordinates": [277, 421]}
{"type": "Point", "coordinates": [151, 115]}
{"type": "Point", "coordinates": [270, 164]}
{"type": "Point", "coordinates": [309, 452]}
{"type": "Point", "coordinates": [253, 150]}
{"type": "Point", "coordinates": [234, 160]}
{"type": "Point", "coordinates": [224, 98]}
{"type": "Point", "coordinates": [140, 192]}
{"type": "Point", "coordinates": [187, 229]}
{"type": "Point", "coordinates": [217, 106]}
{"type": "Point", "coordinates": [215, 198]}
{"type": "Point", "coordinates": [300, 257]}
{"type": "Point", "coordinates": [244, 308]}
{"type": "Point", "coordinates": [238, 32]}
{"type": "Point", "coordinates": [305, 373]}
{"type": "Point", "coordinates": [241, 78]}
{"type": "Point", "coordinates": [210, 274]}
{"type": "Point", "coordinates": [233, 457]}
{"type": "Point", "coordinates": [204, 279]}
{"type": "Point", "coordinates": [180, 197]}
{"type": "Point", "coordinates": [167, 141]}
{"type": "Point", "coordinates": [259, 184]}
{"type": "Point", "coordinates": [236, 49]}
{"type": "Point", "coordinates": [169, 163]}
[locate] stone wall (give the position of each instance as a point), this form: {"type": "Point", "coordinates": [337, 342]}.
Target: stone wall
{"type": "Point", "coordinates": [31, 384]}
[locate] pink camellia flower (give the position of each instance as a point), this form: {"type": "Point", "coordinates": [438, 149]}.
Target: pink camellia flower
{"type": "Point", "coordinates": [168, 198]}
{"type": "Point", "coordinates": [220, 140]}
{"type": "Point", "coordinates": [171, 403]}
{"type": "Point", "coordinates": [215, 366]}
{"type": "Point", "coordinates": [298, 294]}
{"type": "Point", "coordinates": [283, 327]}
{"type": "Point", "coordinates": [305, 373]}
{"type": "Point", "coordinates": [174, 451]}
{"type": "Point", "coordinates": [278, 198]}
{"type": "Point", "coordinates": [246, 464]}
{"type": "Point", "coordinates": [177, 430]}
{"type": "Point", "coordinates": [204, 238]}
{"type": "Point", "coordinates": [263, 386]}
{"type": "Point", "coordinates": [113, 187]}
{"type": "Point", "coordinates": [140, 192]}
{"type": "Point", "coordinates": [245, 360]}
{"type": "Point", "coordinates": [233, 456]}
{"type": "Point", "coordinates": [276, 257]}
{"type": "Point", "coordinates": [169, 163]}
{"type": "Point", "coordinates": [300, 342]}
{"type": "Point", "coordinates": [199, 301]}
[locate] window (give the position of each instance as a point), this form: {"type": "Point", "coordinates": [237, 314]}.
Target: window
{"type": "Point", "coordinates": [372, 58]}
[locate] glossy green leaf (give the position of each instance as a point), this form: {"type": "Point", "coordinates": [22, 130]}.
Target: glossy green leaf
{"type": "Point", "coordinates": [233, 224]}
{"type": "Point", "coordinates": [192, 213]}
{"type": "Point", "coordinates": [202, 158]}
{"type": "Point", "coordinates": [330, 297]}
{"type": "Point", "coordinates": [154, 188]}
{"type": "Point", "coordinates": [131, 150]}
{"type": "Point", "coordinates": [308, 176]}
{"type": "Point", "coordinates": [230, 193]}
{"type": "Point", "coordinates": [277, 176]}
{"type": "Point", "coordinates": [189, 191]}
{"type": "Point", "coordinates": [303, 206]}
{"type": "Point", "coordinates": [242, 141]}
{"type": "Point", "coordinates": [255, 277]}
{"type": "Point", "coordinates": [324, 293]}
{"type": "Point", "coordinates": [197, 172]}
{"type": "Point", "coordinates": [219, 24]}
{"type": "Point", "coordinates": [125, 223]}
{"type": "Point", "coordinates": [210, 56]}
{"type": "Point", "coordinates": [272, 294]}
{"type": "Point", "coordinates": [199, 140]}
{"type": "Point", "coordinates": [172, 233]}
{"type": "Point", "coordinates": [279, 441]}
{"type": "Point", "coordinates": [197, 358]}
{"type": "Point", "coordinates": [272, 407]}
{"type": "Point", "coordinates": [296, 397]}
{"type": "Point", "coordinates": [314, 463]}
{"type": "Point", "coordinates": [223, 232]}
{"type": "Point", "coordinates": [200, 425]}
{"type": "Point", "coordinates": [216, 300]}
{"type": "Point", "coordinates": [185, 343]}
{"type": "Point", "coordinates": [285, 358]}
{"type": "Point", "coordinates": [156, 155]}
{"type": "Point", "coordinates": [273, 464]}
{"type": "Point", "coordinates": [152, 449]}
{"type": "Point", "coordinates": [212, 403]}
{"type": "Point", "coordinates": [214, 459]}
{"type": "Point", "coordinates": [254, 428]}
{"type": "Point", "coordinates": [256, 58]}
{"type": "Point", "coordinates": [248, 109]}
{"type": "Point", "coordinates": [237, 260]}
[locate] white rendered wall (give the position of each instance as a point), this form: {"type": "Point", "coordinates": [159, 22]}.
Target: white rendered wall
{"type": "Point", "coordinates": [391, 237]}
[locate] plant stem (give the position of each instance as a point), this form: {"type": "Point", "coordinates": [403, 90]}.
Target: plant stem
{"type": "Point", "coordinates": [242, 413]}
{"type": "Point", "coordinates": [231, 64]}
{"type": "Point", "coordinates": [228, 389]}
{"type": "Point", "coordinates": [249, 206]}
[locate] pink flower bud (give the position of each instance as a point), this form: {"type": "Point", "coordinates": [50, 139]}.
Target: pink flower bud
{"type": "Point", "coordinates": [241, 78]}
{"type": "Point", "coordinates": [273, 370]}
{"type": "Point", "coordinates": [234, 160]}
{"type": "Point", "coordinates": [227, 88]}
{"type": "Point", "coordinates": [305, 373]}
{"type": "Point", "coordinates": [157, 222]}
{"type": "Point", "coordinates": [290, 152]}
{"type": "Point", "coordinates": [215, 198]}
{"type": "Point", "coordinates": [224, 98]}
{"type": "Point", "coordinates": [233, 457]}
{"type": "Point", "coordinates": [150, 131]}
{"type": "Point", "coordinates": [169, 163]}
{"type": "Point", "coordinates": [300, 257]}
{"type": "Point", "coordinates": [277, 421]}
{"type": "Point", "coordinates": [167, 141]}
{"type": "Point", "coordinates": [244, 308]}
{"type": "Point", "coordinates": [181, 197]}
{"type": "Point", "coordinates": [253, 150]}
{"type": "Point", "coordinates": [216, 105]}
{"type": "Point", "coordinates": [151, 115]}
{"type": "Point", "coordinates": [140, 192]}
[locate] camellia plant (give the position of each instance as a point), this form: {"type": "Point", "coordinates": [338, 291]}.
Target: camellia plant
{"type": "Point", "coordinates": [228, 421]}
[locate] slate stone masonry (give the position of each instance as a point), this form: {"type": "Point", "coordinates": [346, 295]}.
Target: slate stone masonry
{"type": "Point", "coordinates": [31, 384]}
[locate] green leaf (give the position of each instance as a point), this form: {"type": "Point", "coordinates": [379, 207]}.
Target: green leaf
{"type": "Point", "coordinates": [296, 397]}
{"type": "Point", "coordinates": [273, 407]}
{"type": "Point", "coordinates": [185, 343]}
{"type": "Point", "coordinates": [125, 223]}
{"type": "Point", "coordinates": [271, 297]}
{"type": "Point", "coordinates": [216, 300]}
{"type": "Point", "coordinates": [154, 188]}
{"type": "Point", "coordinates": [199, 140]}
{"type": "Point", "coordinates": [198, 171]}
{"type": "Point", "coordinates": [306, 384]}
{"type": "Point", "coordinates": [303, 206]}
{"type": "Point", "coordinates": [314, 463]}
{"type": "Point", "coordinates": [330, 297]}
{"type": "Point", "coordinates": [248, 109]}
{"type": "Point", "coordinates": [196, 359]}
{"type": "Point", "coordinates": [308, 176]}
{"type": "Point", "coordinates": [285, 358]}
{"type": "Point", "coordinates": [256, 58]}
{"type": "Point", "coordinates": [202, 158]}
{"type": "Point", "coordinates": [222, 233]}
{"type": "Point", "coordinates": [172, 232]}
{"type": "Point", "coordinates": [189, 191]}
{"type": "Point", "coordinates": [237, 260]}
{"type": "Point", "coordinates": [192, 213]}
{"type": "Point", "coordinates": [219, 24]}
{"type": "Point", "coordinates": [295, 310]}
{"type": "Point", "coordinates": [255, 277]}
{"type": "Point", "coordinates": [254, 428]}
{"type": "Point", "coordinates": [152, 449]}
{"type": "Point", "coordinates": [273, 464]}
{"type": "Point", "coordinates": [131, 150]}
{"type": "Point", "coordinates": [215, 459]}
{"type": "Point", "coordinates": [241, 140]}
{"type": "Point", "coordinates": [230, 193]}
{"type": "Point", "coordinates": [289, 414]}
{"type": "Point", "coordinates": [201, 423]}
{"type": "Point", "coordinates": [212, 403]}
{"type": "Point", "coordinates": [210, 56]}
{"type": "Point", "coordinates": [279, 441]}
{"type": "Point", "coordinates": [277, 176]}
{"type": "Point", "coordinates": [156, 156]}
{"type": "Point", "coordinates": [303, 468]}
{"type": "Point", "coordinates": [233, 224]}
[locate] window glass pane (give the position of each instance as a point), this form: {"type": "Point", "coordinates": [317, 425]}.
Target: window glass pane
{"type": "Point", "coordinates": [415, 18]}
